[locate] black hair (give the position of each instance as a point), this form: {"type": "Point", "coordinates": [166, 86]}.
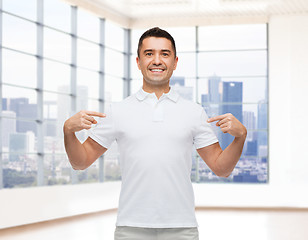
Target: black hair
{"type": "Point", "coordinates": [156, 32]}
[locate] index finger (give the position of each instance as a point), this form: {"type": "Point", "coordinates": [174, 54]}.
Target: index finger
{"type": "Point", "coordinates": [95, 114]}
{"type": "Point", "coordinates": [217, 118]}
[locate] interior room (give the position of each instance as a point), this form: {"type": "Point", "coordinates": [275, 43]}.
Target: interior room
{"type": "Point", "coordinates": [246, 57]}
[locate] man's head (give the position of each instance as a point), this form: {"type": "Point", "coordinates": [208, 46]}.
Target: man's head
{"type": "Point", "coordinates": [158, 33]}
{"type": "Point", "coordinates": [156, 57]}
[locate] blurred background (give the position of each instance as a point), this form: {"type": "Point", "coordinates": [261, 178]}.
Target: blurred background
{"type": "Point", "coordinates": [247, 57]}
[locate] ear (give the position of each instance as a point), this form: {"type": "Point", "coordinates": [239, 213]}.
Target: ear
{"type": "Point", "coordinates": [138, 62]}
{"type": "Point", "coordinates": [175, 63]}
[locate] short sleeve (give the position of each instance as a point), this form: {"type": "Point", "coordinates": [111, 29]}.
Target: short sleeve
{"type": "Point", "coordinates": [203, 132]}
{"type": "Point", "coordinates": [104, 131]}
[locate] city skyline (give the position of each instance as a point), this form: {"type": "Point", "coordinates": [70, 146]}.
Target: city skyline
{"type": "Point", "coordinates": [250, 169]}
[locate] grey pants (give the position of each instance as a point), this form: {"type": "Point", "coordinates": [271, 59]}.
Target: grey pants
{"type": "Point", "coordinates": [136, 233]}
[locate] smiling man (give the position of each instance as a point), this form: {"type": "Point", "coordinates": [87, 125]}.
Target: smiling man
{"type": "Point", "coordinates": [155, 130]}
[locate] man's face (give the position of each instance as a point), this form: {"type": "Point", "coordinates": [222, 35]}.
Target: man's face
{"type": "Point", "coordinates": [157, 60]}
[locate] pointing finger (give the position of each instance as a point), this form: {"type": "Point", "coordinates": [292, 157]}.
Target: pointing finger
{"type": "Point", "coordinates": [95, 114]}
{"type": "Point", "coordinates": [217, 118]}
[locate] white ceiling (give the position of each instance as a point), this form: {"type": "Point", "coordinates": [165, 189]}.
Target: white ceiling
{"type": "Point", "coordinates": [140, 13]}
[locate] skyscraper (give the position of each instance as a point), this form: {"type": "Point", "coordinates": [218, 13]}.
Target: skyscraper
{"type": "Point", "coordinates": [249, 121]}
{"type": "Point", "coordinates": [64, 106]}
{"type": "Point", "coordinates": [213, 86]}
{"type": "Point", "coordinates": [23, 109]}
{"type": "Point", "coordinates": [177, 81]}
{"type": "Point", "coordinates": [211, 101]}
{"type": "Point", "coordinates": [8, 126]}
{"type": "Point", "coordinates": [232, 97]}
{"type": "Point", "coordinates": [262, 125]}
{"type": "Point", "coordinates": [178, 84]}
{"type": "Point", "coordinates": [4, 104]}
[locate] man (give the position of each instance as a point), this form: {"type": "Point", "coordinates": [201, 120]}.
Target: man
{"type": "Point", "coordinates": [155, 130]}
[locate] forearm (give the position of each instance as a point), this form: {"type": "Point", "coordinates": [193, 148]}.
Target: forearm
{"type": "Point", "coordinates": [76, 153]}
{"type": "Point", "coordinates": [228, 159]}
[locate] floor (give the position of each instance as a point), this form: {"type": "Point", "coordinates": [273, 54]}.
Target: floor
{"type": "Point", "coordinates": [214, 224]}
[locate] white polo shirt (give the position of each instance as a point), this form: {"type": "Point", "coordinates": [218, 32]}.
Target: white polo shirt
{"type": "Point", "coordinates": [155, 140]}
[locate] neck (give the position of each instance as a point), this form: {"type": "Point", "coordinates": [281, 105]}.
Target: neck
{"type": "Point", "coordinates": [159, 90]}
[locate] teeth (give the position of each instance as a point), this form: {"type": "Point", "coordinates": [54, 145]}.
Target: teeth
{"type": "Point", "coordinates": [156, 70]}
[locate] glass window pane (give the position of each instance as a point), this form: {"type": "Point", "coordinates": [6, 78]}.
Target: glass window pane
{"type": "Point", "coordinates": [24, 64]}
{"type": "Point", "coordinates": [56, 75]}
{"type": "Point", "coordinates": [253, 89]}
{"type": "Point", "coordinates": [251, 143]}
{"type": "Point", "coordinates": [89, 80]}
{"type": "Point", "coordinates": [89, 175]}
{"type": "Point", "coordinates": [184, 37]}
{"type": "Point", "coordinates": [88, 55]}
{"type": "Point", "coordinates": [256, 143]}
{"type": "Point", "coordinates": [250, 169]}
{"type": "Point", "coordinates": [24, 139]}
{"type": "Point", "coordinates": [113, 89]}
{"type": "Point", "coordinates": [19, 34]}
{"type": "Point", "coordinates": [82, 97]}
{"type": "Point", "coordinates": [8, 127]}
{"type": "Point", "coordinates": [135, 35]}
{"type": "Point", "coordinates": [190, 87]}
{"type": "Point", "coordinates": [114, 37]}
{"type": "Point", "coordinates": [135, 72]}
{"type": "Point", "coordinates": [57, 14]}
{"type": "Point", "coordinates": [57, 45]}
{"type": "Point", "coordinates": [88, 25]}
{"type": "Point", "coordinates": [21, 101]}
{"type": "Point", "coordinates": [185, 91]}
{"type": "Point", "coordinates": [26, 9]}
{"type": "Point", "coordinates": [16, 129]}
{"type": "Point", "coordinates": [186, 65]}
{"type": "Point", "coordinates": [245, 63]}
{"type": "Point", "coordinates": [19, 169]}
{"type": "Point", "coordinates": [93, 105]}
{"type": "Point", "coordinates": [246, 36]}
{"type": "Point", "coordinates": [262, 117]}
{"type": "Point", "coordinates": [53, 143]}
{"type": "Point", "coordinates": [57, 169]}
{"type": "Point", "coordinates": [114, 63]}
{"type": "Point", "coordinates": [57, 109]}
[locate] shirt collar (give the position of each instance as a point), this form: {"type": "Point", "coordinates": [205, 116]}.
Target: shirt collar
{"type": "Point", "coordinates": [172, 95]}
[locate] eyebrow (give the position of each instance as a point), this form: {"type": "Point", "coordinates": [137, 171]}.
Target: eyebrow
{"type": "Point", "coordinates": [152, 50]}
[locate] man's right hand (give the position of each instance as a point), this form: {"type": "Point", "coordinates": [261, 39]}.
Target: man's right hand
{"type": "Point", "coordinates": [81, 120]}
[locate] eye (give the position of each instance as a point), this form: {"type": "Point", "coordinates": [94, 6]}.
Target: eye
{"type": "Point", "coordinates": [165, 54]}
{"type": "Point", "coordinates": [149, 54]}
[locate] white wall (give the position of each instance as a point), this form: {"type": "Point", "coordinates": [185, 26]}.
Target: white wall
{"type": "Point", "coordinates": [288, 145]}
{"type": "Point", "coordinates": [289, 100]}
{"type": "Point", "coordinates": [30, 205]}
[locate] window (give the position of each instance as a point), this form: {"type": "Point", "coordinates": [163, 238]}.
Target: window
{"type": "Point", "coordinates": [40, 92]}
{"type": "Point", "coordinates": [50, 74]}
{"type": "Point", "coordinates": [232, 78]}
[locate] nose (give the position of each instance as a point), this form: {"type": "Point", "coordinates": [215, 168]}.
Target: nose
{"type": "Point", "coordinates": [156, 59]}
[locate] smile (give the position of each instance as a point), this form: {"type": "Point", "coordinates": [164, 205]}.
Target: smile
{"type": "Point", "coordinates": [156, 70]}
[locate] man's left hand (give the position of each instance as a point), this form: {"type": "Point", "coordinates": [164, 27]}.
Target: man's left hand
{"type": "Point", "coordinates": [229, 124]}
